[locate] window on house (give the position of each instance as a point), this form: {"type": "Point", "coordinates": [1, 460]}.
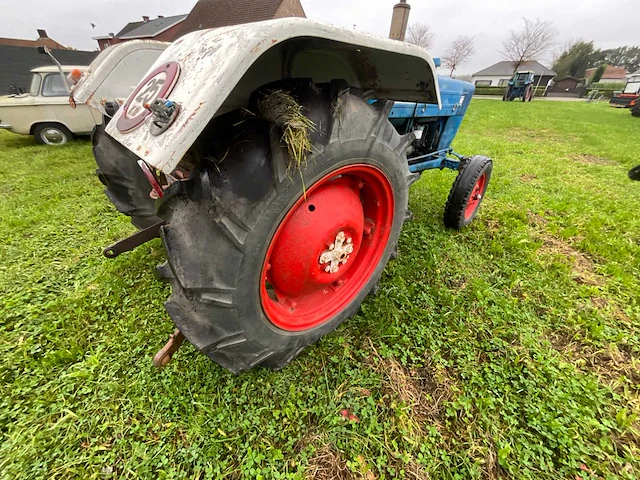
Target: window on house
{"type": "Point", "coordinates": [503, 82]}
{"type": "Point", "coordinates": [483, 82]}
{"type": "Point", "coordinates": [53, 86]}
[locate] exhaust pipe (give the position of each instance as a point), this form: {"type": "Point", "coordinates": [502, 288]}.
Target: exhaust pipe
{"type": "Point", "coordinates": [399, 21]}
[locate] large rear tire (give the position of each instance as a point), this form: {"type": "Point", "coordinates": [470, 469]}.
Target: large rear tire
{"type": "Point", "coordinates": [246, 237]}
{"type": "Point", "coordinates": [127, 187]}
{"type": "Point", "coordinates": [635, 109]}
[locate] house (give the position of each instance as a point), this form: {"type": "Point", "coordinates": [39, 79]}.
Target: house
{"type": "Point", "coordinates": [610, 75]}
{"type": "Point", "coordinates": [221, 13]}
{"type": "Point", "coordinates": [43, 40]}
{"type": "Point", "coordinates": [499, 74]}
{"type": "Point", "coordinates": [164, 29]}
{"type": "Point", "coordinates": [18, 57]}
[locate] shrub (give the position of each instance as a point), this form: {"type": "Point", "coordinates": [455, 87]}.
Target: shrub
{"type": "Point", "coordinates": [487, 90]}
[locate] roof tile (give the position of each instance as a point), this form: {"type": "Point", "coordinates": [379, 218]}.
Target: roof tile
{"type": "Point", "coordinates": [222, 13]}
{"type": "Point", "coordinates": [507, 68]}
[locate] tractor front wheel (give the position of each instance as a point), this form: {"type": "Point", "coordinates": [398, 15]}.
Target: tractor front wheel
{"type": "Point", "coordinates": [267, 256]}
{"type": "Point", "coordinates": [467, 192]}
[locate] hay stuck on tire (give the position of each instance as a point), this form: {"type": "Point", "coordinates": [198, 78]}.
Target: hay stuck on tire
{"type": "Point", "coordinates": [280, 108]}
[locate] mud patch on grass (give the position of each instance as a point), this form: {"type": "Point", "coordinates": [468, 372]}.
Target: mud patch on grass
{"type": "Point", "coordinates": [327, 464]}
{"type": "Point", "coordinates": [536, 220]}
{"type": "Point", "coordinates": [582, 267]}
{"type": "Point", "coordinates": [528, 177]}
{"type": "Point", "coordinates": [587, 159]}
{"type": "Point", "coordinates": [423, 391]}
{"type": "Point", "coordinates": [414, 471]}
{"type": "Point", "coordinates": [616, 365]}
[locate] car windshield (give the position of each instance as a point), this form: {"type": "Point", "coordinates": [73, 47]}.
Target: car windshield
{"type": "Point", "coordinates": [53, 86]}
{"type": "Point", "coordinates": [633, 86]}
{"type": "Point", "coordinates": [34, 90]}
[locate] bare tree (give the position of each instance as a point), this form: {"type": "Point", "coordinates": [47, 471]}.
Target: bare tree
{"type": "Point", "coordinates": [458, 53]}
{"type": "Point", "coordinates": [530, 43]}
{"type": "Point", "coordinates": [421, 35]}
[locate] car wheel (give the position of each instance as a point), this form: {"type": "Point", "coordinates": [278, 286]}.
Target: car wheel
{"type": "Point", "coordinates": [51, 134]}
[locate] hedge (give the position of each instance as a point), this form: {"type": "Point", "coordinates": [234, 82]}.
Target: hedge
{"type": "Point", "coordinates": [499, 91]}
{"type": "Point", "coordinates": [607, 86]}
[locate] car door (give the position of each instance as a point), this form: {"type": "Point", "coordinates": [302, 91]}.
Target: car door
{"type": "Point", "coordinates": [54, 103]}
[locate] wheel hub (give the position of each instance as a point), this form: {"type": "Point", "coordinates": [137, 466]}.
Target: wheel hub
{"type": "Point", "coordinates": [314, 244]}
{"type": "Point", "coordinates": [337, 254]}
{"type": "Point", "coordinates": [53, 136]}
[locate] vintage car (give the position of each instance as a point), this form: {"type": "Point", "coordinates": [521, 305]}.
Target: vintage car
{"type": "Point", "coordinates": [45, 112]}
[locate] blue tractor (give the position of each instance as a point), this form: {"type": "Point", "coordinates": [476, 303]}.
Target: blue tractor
{"type": "Point", "coordinates": [274, 161]}
{"type": "Point", "coordinates": [520, 86]}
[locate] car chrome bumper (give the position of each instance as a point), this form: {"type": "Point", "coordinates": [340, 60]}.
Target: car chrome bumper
{"type": "Point", "coordinates": [5, 126]}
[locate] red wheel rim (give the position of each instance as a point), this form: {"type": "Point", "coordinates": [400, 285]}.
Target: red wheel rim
{"type": "Point", "coordinates": [476, 197]}
{"type": "Point", "coordinates": [327, 247]}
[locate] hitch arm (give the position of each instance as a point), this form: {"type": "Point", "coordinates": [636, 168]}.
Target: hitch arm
{"type": "Point", "coordinates": [135, 240]}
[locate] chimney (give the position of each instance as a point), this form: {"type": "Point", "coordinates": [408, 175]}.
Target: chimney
{"type": "Point", "coordinates": [160, 16]}
{"type": "Point", "coordinates": [399, 21]}
{"type": "Point", "coordinates": [145, 19]}
{"type": "Point", "coordinates": [42, 34]}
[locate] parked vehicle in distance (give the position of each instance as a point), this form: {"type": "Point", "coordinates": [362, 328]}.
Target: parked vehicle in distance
{"type": "Point", "coordinates": [520, 86]}
{"type": "Point", "coordinates": [45, 112]}
{"type": "Point", "coordinates": [629, 95]}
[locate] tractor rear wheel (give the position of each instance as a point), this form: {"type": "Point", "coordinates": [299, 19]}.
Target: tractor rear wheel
{"type": "Point", "coordinates": [467, 192]}
{"type": "Point", "coordinates": [635, 109]}
{"type": "Point", "coordinates": [266, 258]}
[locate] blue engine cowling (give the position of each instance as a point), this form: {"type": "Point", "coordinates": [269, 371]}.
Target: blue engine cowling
{"type": "Point", "coordinates": [435, 128]}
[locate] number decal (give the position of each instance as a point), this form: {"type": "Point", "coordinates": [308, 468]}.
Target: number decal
{"type": "Point", "coordinates": [157, 84]}
{"type": "Point", "coordinates": [147, 94]}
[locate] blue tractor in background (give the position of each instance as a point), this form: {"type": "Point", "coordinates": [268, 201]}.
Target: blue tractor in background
{"type": "Point", "coordinates": [520, 86]}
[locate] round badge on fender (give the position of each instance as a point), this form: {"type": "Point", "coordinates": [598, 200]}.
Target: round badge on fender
{"type": "Point", "coordinates": [158, 84]}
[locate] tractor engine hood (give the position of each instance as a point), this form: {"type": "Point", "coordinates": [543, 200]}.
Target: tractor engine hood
{"type": "Point", "coordinates": [211, 72]}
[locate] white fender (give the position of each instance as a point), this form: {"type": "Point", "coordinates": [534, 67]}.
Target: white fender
{"type": "Point", "coordinates": [219, 68]}
{"type": "Point", "coordinates": [114, 73]}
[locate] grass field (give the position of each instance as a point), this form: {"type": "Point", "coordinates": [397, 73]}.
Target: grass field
{"type": "Point", "coordinates": [508, 350]}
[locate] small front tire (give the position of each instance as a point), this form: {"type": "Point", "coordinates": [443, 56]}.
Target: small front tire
{"type": "Point", "coordinates": [52, 134]}
{"type": "Point", "coordinates": [467, 192]}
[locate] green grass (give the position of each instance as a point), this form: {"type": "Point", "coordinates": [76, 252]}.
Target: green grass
{"type": "Point", "coordinates": [509, 349]}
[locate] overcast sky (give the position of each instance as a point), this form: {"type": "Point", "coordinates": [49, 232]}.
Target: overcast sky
{"type": "Point", "coordinates": [609, 23]}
